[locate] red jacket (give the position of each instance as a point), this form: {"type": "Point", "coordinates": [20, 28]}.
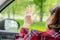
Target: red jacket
{"type": "Point", "coordinates": [39, 35]}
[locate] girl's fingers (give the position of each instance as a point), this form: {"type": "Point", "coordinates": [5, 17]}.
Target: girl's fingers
{"type": "Point", "coordinates": [33, 18]}
{"type": "Point", "coordinates": [28, 11]}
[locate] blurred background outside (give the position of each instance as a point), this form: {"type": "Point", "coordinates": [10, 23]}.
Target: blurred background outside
{"type": "Point", "coordinates": [41, 10]}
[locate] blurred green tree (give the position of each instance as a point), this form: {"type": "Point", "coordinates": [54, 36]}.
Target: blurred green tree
{"type": "Point", "coordinates": [40, 4]}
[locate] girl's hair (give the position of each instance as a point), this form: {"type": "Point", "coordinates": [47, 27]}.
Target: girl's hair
{"type": "Point", "coordinates": [53, 22]}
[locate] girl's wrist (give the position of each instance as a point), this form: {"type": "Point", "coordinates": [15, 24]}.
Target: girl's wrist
{"type": "Point", "coordinates": [26, 25]}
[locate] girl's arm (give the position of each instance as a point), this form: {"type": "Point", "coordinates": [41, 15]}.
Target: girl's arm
{"type": "Point", "coordinates": [28, 20]}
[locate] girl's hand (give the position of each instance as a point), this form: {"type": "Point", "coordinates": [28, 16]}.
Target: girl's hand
{"type": "Point", "coordinates": [29, 18]}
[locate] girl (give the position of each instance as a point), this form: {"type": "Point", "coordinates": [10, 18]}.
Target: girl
{"type": "Point", "coordinates": [52, 25]}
